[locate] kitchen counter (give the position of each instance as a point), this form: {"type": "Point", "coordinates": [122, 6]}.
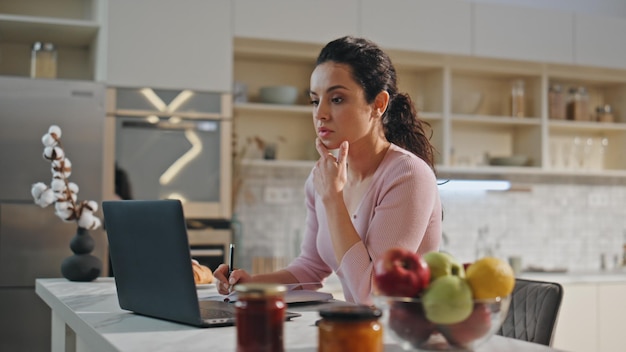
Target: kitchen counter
{"type": "Point", "coordinates": [597, 276]}
{"type": "Point", "coordinates": [86, 317]}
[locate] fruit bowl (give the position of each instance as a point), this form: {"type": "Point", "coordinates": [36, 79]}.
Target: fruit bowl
{"type": "Point", "coordinates": [404, 319]}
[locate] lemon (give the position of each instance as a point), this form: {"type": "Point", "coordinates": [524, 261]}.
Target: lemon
{"type": "Point", "coordinates": [490, 277]}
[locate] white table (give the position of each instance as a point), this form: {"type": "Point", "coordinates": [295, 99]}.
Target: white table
{"type": "Point", "coordinates": [86, 317]}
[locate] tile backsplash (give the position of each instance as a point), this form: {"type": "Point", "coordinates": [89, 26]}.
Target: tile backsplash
{"type": "Point", "coordinates": [551, 226]}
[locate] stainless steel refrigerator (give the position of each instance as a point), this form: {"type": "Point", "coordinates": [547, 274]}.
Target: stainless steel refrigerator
{"type": "Point", "coordinates": [33, 241]}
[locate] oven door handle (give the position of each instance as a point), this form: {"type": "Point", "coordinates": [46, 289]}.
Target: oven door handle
{"type": "Point", "coordinates": [207, 252]}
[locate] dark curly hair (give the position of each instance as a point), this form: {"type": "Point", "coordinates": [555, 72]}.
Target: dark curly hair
{"type": "Point", "coordinates": [372, 68]}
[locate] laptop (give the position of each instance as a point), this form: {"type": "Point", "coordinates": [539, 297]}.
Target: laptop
{"type": "Point", "coordinates": [151, 260]}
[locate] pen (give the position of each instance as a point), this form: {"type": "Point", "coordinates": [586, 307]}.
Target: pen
{"type": "Point", "coordinates": [231, 259]}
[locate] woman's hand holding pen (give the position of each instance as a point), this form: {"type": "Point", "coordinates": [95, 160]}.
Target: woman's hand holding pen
{"type": "Point", "coordinates": [225, 282]}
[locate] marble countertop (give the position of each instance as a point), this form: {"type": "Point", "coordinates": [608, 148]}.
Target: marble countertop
{"type": "Point", "coordinates": [92, 311]}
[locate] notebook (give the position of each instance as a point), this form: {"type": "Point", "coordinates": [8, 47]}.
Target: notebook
{"type": "Point", "coordinates": [151, 260]}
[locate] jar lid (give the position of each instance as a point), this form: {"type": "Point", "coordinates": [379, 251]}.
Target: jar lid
{"type": "Point", "coordinates": [257, 289]}
{"type": "Point", "coordinates": [350, 313]}
{"type": "Point", "coordinates": [556, 88]}
{"type": "Point", "coordinates": [43, 46]}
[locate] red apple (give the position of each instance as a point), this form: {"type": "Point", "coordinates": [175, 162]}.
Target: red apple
{"type": "Point", "coordinates": [400, 272]}
{"type": "Point", "coordinates": [474, 327]}
{"type": "Point", "coordinates": [466, 265]}
{"type": "Point", "coordinates": [408, 321]}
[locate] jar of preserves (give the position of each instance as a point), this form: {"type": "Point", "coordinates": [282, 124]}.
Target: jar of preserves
{"type": "Point", "coordinates": [556, 102]}
{"type": "Point", "coordinates": [43, 60]}
{"type": "Point", "coordinates": [350, 328]}
{"type": "Point", "coordinates": [260, 316]}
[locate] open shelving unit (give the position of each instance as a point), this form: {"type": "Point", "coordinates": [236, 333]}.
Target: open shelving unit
{"type": "Point", "coordinates": [465, 100]}
{"type": "Point", "coordinates": [72, 26]}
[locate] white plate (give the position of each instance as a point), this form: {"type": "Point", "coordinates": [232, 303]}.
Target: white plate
{"type": "Point", "coordinates": [204, 286]}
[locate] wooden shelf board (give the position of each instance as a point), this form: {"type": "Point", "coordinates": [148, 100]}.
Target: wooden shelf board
{"type": "Point", "coordinates": [28, 29]}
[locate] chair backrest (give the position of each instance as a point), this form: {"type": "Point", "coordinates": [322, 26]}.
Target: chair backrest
{"type": "Point", "coordinates": [533, 311]}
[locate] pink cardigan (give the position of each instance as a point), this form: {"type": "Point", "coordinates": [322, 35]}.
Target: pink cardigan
{"type": "Point", "coordinates": [401, 208]}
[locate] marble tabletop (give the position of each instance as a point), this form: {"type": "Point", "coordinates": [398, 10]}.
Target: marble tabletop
{"type": "Point", "coordinates": [91, 312]}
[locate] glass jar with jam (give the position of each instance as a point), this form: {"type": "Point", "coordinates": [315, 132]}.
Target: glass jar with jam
{"type": "Point", "coordinates": [260, 315]}
{"type": "Point", "coordinates": [350, 328]}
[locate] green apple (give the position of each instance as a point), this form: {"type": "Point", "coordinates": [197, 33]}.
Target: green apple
{"type": "Point", "coordinates": [448, 300]}
{"type": "Point", "coordinates": [442, 264]}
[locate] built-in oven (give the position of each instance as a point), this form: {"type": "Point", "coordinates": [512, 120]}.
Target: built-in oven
{"type": "Point", "coordinates": [173, 144]}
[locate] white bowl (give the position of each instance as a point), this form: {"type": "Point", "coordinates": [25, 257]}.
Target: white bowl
{"type": "Point", "coordinates": [515, 160]}
{"type": "Point", "coordinates": [285, 95]}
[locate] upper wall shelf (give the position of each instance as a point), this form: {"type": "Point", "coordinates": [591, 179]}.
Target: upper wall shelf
{"type": "Point", "coordinates": [256, 107]}
{"type": "Point", "coordinates": [72, 26]}
{"type": "Point", "coordinates": [65, 32]}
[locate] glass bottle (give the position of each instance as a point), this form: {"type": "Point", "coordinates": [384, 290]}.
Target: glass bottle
{"type": "Point", "coordinates": [43, 60]}
{"type": "Point", "coordinates": [556, 102]}
{"type": "Point", "coordinates": [350, 328]}
{"type": "Point", "coordinates": [260, 315]}
{"type": "Point", "coordinates": [517, 98]}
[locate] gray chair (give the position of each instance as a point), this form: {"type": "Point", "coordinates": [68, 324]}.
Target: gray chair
{"type": "Point", "coordinates": [533, 311]}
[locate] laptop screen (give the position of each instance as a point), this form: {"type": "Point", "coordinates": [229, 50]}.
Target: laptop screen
{"type": "Point", "coordinates": [151, 259]}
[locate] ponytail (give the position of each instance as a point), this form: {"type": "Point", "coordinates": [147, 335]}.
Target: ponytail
{"type": "Point", "coordinates": [403, 128]}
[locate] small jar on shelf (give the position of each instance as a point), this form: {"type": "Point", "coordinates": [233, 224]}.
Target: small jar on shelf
{"type": "Point", "coordinates": [578, 104]}
{"type": "Point", "coordinates": [556, 102]}
{"type": "Point", "coordinates": [517, 98]}
{"type": "Point", "coordinates": [43, 60]}
{"type": "Point", "coordinates": [604, 113]}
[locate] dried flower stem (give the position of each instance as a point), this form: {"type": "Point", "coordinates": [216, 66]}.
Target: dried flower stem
{"type": "Point", "coordinates": [63, 194]}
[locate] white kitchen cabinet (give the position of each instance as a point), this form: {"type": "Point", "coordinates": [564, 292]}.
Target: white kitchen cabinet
{"type": "Point", "coordinates": [423, 25]}
{"type": "Point", "coordinates": [577, 325]}
{"type": "Point", "coordinates": [591, 315]}
{"type": "Point", "coordinates": [599, 40]}
{"type": "Point", "coordinates": [169, 44]}
{"type": "Point", "coordinates": [611, 310]}
{"type": "Point", "coordinates": [295, 20]}
{"type": "Point", "coordinates": [72, 26]}
{"type": "Point", "coordinates": [523, 33]}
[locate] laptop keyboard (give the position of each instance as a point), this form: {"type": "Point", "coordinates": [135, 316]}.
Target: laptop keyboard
{"type": "Point", "coordinates": [216, 310]}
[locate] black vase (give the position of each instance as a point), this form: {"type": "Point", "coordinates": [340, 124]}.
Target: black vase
{"type": "Point", "coordinates": [81, 266]}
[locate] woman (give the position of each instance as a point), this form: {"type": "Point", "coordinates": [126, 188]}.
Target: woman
{"type": "Point", "coordinates": [378, 192]}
